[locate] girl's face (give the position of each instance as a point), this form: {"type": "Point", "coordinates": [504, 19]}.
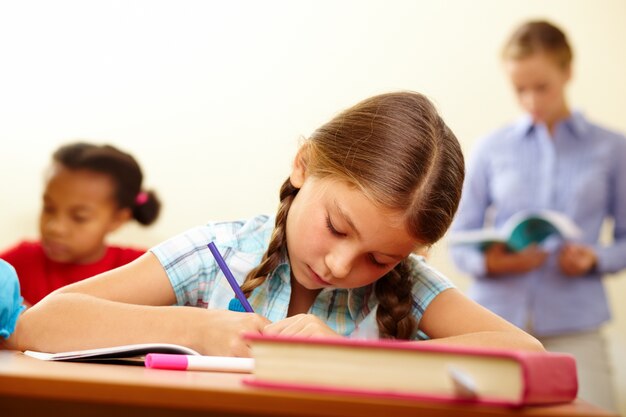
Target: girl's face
{"type": "Point", "coordinates": [78, 212]}
{"type": "Point", "coordinates": [539, 84]}
{"type": "Point", "coordinates": [338, 238]}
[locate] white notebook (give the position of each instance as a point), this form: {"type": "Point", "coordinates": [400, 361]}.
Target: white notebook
{"type": "Point", "coordinates": [115, 354]}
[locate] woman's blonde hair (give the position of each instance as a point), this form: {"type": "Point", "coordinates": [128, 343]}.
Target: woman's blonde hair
{"type": "Point", "coordinates": [535, 37]}
{"type": "Point", "coordinates": [397, 150]}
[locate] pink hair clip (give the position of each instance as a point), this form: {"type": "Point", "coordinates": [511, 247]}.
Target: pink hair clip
{"type": "Point", "coordinates": [141, 198]}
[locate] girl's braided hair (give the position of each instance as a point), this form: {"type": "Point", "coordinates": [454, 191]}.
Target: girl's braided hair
{"type": "Point", "coordinates": [398, 151]}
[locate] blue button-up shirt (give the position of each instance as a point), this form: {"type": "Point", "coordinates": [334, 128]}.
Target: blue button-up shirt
{"type": "Point", "coordinates": [581, 172]}
{"type": "Point", "coordinates": [198, 281]}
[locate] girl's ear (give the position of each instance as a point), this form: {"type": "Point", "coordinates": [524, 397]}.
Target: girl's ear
{"type": "Point", "coordinates": [568, 72]}
{"type": "Point", "coordinates": [119, 218]}
{"type": "Point", "coordinates": [298, 170]}
{"type": "Point", "coordinates": [423, 251]}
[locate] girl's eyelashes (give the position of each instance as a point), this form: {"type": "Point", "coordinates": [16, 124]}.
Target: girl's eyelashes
{"type": "Point", "coordinates": [80, 219]}
{"type": "Point", "coordinates": [335, 232]}
{"type": "Point", "coordinates": [329, 226]}
{"type": "Point", "coordinates": [376, 263]}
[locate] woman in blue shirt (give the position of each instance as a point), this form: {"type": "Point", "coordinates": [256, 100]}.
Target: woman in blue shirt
{"type": "Point", "coordinates": [551, 158]}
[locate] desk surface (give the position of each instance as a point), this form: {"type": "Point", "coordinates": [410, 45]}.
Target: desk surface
{"type": "Point", "coordinates": [29, 386]}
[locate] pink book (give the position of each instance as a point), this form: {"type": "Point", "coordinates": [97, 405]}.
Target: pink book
{"type": "Point", "coordinates": [413, 370]}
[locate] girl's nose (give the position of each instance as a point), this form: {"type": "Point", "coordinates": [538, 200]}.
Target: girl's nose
{"type": "Point", "coordinates": [54, 226]}
{"type": "Point", "coordinates": [339, 262]}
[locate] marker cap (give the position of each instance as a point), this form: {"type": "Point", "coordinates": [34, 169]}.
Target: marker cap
{"type": "Point", "coordinates": [166, 361]}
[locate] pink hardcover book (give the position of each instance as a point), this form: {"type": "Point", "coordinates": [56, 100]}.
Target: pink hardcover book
{"type": "Point", "coordinates": [419, 371]}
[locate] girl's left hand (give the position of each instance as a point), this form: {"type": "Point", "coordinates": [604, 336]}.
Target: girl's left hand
{"type": "Point", "coordinates": [576, 260]}
{"type": "Point", "coordinates": [304, 325]}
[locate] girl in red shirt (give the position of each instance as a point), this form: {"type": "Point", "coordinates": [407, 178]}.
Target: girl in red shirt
{"type": "Point", "coordinates": [90, 191]}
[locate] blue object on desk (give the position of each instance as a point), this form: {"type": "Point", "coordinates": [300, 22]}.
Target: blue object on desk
{"type": "Point", "coordinates": [235, 305]}
{"type": "Point", "coordinates": [231, 279]}
{"type": "Point", "coordinates": [11, 302]}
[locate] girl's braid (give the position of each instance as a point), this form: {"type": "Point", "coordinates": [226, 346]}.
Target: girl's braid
{"type": "Point", "coordinates": [277, 244]}
{"type": "Point", "coordinates": [394, 316]}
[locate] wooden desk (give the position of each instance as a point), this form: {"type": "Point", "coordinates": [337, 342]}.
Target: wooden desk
{"type": "Point", "coordinates": [29, 387]}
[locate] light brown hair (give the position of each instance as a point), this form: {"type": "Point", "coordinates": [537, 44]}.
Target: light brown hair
{"type": "Point", "coordinates": [397, 150]}
{"type": "Point", "coordinates": [539, 36]}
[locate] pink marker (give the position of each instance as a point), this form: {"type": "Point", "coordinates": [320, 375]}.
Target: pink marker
{"type": "Point", "coordinates": [198, 363]}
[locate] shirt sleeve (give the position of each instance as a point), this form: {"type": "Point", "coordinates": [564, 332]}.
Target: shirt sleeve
{"type": "Point", "coordinates": [611, 258]}
{"type": "Point", "coordinates": [16, 254]}
{"type": "Point", "coordinates": [428, 283]}
{"type": "Point", "coordinates": [471, 214]}
{"type": "Point", "coordinates": [28, 260]}
{"type": "Point", "coordinates": [11, 302]}
{"type": "Point", "coordinates": [189, 266]}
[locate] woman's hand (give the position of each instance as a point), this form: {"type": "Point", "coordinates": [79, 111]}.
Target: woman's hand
{"type": "Point", "coordinates": [222, 332]}
{"type": "Point", "coordinates": [576, 260]}
{"type": "Point", "coordinates": [500, 261]}
{"type": "Point", "coordinates": [304, 325]}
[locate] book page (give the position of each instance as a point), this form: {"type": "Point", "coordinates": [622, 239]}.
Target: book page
{"type": "Point", "coordinates": [566, 227]}
{"type": "Point", "coordinates": [474, 237]}
{"type": "Point", "coordinates": [528, 227]}
{"type": "Point", "coordinates": [114, 352]}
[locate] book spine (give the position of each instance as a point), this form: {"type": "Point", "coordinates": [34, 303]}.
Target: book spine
{"type": "Point", "coordinates": [549, 379]}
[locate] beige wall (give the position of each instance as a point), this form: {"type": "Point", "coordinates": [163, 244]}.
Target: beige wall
{"type": "Point", "coordinates": [213, 96]}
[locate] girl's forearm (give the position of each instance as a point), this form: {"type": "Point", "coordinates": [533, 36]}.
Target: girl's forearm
{"type": "Point", "coordinates": [72, 321]}
{"type": "Point", "coordinates": [494, 339]}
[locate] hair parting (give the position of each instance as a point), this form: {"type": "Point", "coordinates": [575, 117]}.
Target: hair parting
{"type": "Point", "coordinates": [398, 151]}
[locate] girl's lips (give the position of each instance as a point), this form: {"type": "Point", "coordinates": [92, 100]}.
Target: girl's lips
{"type": "Point", "coordinates": [318, 279]}
{"type": "Point", "coordinates": [54, 248]}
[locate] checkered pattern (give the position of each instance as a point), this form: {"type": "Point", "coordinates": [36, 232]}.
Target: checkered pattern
{"type": "Point", "coordinates": [198, 281]}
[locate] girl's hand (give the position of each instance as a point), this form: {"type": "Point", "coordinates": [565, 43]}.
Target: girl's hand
{"type": "Point", "coordinates": [223, 330]}
{"type": "Point", "coordinates": [576, 260]}
{"type": "Point", "coordinates": [304, 325]}
{"type": "Point", "coordinates": [501, 261]}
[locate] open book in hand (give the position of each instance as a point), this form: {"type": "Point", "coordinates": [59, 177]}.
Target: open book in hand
{"type": "Point", "coordinates": [125, 354]}
{"type": "Point", "coordinates": [521, 230]}
{"type": "Point", "coordinates": [418, 371]}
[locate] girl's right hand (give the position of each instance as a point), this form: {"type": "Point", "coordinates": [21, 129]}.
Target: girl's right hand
{"type": "Point", "coordinates": [302, 325]}
{"type": "Point", "coordinates": [500, 261]}
{"type": "Point", "coordinates": [222, 330]}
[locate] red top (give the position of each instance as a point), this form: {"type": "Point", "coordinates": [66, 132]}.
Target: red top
{"type": "Point", "coordinates": [39, 276]}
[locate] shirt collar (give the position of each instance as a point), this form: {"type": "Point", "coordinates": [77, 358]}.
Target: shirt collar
{"type": "Point", "coordinates": [524, 126]}
{"type": "Point", "coordinates": [576, 124]}
{"type": "Point", "coordinates": [360, 300]}
{"type": "Point", "coordinates": [283, 271]}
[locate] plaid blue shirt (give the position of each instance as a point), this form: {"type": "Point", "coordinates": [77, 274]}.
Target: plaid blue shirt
{"type": "Point", "coordinates": [198, 281]}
